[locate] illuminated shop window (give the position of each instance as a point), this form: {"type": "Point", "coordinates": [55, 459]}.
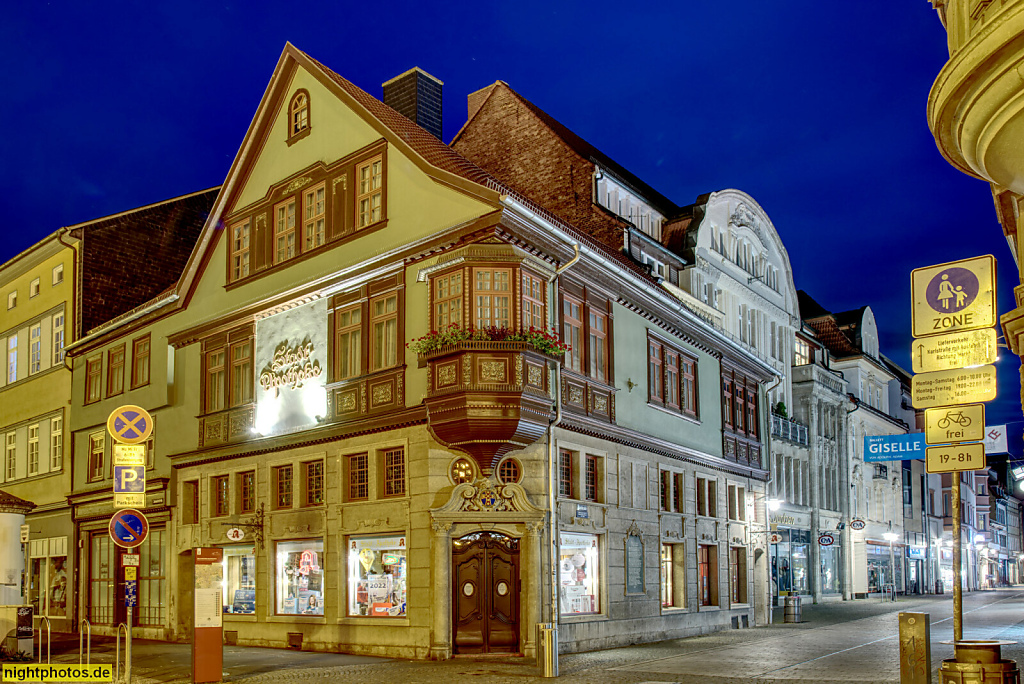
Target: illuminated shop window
{"type": "Point", "coordinates": [579, 578]}
{"type": "Point", "coordinates": [376, 576]}
{"type": "Point", "coordinates": [300, 578]}
{"type": "Point", "coordinates": [239, 579]}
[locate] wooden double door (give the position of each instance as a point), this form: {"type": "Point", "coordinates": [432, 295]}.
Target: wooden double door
{"type": "Point", "coordinates": [485, 593]}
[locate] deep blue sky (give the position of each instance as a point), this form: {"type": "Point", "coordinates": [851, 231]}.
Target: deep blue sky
{"type": "Point", "coordinates": [816, 109]}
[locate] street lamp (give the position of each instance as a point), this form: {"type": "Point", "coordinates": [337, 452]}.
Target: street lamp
{"type": "Point", "coordinates": [774, 504]}
{"type": "Point", "coordinates": [890, 537]}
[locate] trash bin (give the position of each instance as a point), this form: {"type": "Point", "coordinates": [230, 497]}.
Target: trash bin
{"type": "Point", "coordinates": [547, 651]}
{"type": "Point", "coordinates": [939, 589]}
{"type": "Point", "coordinates": [792, 610]}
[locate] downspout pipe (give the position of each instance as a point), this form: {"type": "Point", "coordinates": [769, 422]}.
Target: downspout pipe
{"type": "Point", "coordinates": [845, 485]}
{"type": "Point", "coordinates": [764, 500]}
{"type": "Point", "coordinates": [550, 667]}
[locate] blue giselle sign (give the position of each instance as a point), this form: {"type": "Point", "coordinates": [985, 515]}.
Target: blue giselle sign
{"type": "Point", "coordinates": [893, 447]}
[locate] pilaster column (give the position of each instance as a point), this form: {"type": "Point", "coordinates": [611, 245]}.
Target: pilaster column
{"type": "Point", "coordinates": [533, 584]}
{"type": "Point", "coordinates": [441, 638]}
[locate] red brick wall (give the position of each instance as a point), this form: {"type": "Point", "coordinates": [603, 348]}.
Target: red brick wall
{"type": "Point", "coordinates": [510, 141]}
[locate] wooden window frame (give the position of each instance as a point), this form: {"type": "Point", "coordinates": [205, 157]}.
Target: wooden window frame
{"type": "Point", "coordinates": [688, 385]}
{"type": "Point", "coordinates": [357, 477]}
{"type": "Point", "coordinates": [393, 468]}
{"type": "Point", "coordinates": [565, 473]}
{"type": "Point", "coordinates": [477, 292]}
{"type": "Point", "coordinates": [533, 309]}
{"type": "Point", "coordinates": [300, 121]}
{"type": "Point", "coordinates": [247, 492]}
{"type": "Point", "coordinates": [574, 357]}
{"type": "Point", "coordinates": [283, 494]}
{"type": "Point", "coordinates": [672, 384]}
{"type": "Point", "coordinates": [591, 478]}
{"type": "Point", "coordinates": [666, 490]}
{"type": "Point", "coordinates": [667, 566]}
{"type": "Point", "coordinates": [454, 303]}
{"type": "Point", "coordinates": [707, 575]}
{"type": "Point", "coordinates": [727, 409]}
{"type": "Point", "coordinates": [655, 371]}
{"type": "Point", "coordinates": [738, 575]}
{"type": "Point", "coordinates": [141, 350]}
{"type": "Point", "coordinates": [341, 330]}
{"type": "Point", "coordinates": [220, 496]}
{"type": "Point", "coordinates": [94, 379]}
{"type": "Point", "coordinates": [246, 392]}
{"type": "Point", "coordinates": [380, 189]}
{"type": "Point", "coordinates": [374, 319]}
{"type": "Point", "coordinates": [678, 489]}
{"type": "Point", "coordinates": [314, 225]}
{"type": "Point", "coordinates": [115, 365]}
{"type": "Point", "coordinates": [239, 259]}
{"type": "Point", "coordinates": [677, 371]}
{"type": "Point", "coordinates": [597, 339]}
{"type": "Point", "coordinates": [510, 471]}
{"type": "Point", "coordinates": [190, 502]}
{"type": "Point", "coordinates": [314, 493]}
{"type": "Point", "coordinates": [294, 232]}
{"type": "Point", "coordinates": [96, 456]}
{"type": "Point", "coordinates": [210, 372]}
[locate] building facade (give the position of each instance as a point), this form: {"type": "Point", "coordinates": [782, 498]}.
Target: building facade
{"type": "Point", "coordinates": [356, 369]}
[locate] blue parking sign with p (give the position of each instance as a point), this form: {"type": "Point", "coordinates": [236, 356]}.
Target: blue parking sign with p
{"type": "Point", "coordinates": [129, 479]}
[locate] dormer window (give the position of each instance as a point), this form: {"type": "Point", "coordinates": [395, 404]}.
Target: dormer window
{"type": "Point", "coordinates": [298, 116]}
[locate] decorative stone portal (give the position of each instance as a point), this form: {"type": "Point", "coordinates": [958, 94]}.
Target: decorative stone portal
{"type": "Point", "coordinates": [484, 602]}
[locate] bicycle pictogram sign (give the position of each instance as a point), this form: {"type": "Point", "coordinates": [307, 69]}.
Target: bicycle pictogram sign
{"type": "Point", "coordinates": [130, 424]}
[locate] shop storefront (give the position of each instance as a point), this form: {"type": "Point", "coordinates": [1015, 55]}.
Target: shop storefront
{"type": "Point", "coordinates": [915, 578]}
{"type": "Point", "coordinates": [790, 562]}
{"type": "Point", "coordinates": [880, 570]}
{"type": "Point", "coordinates": [830, 569]}
{"type": "Point", "coordinates": [579, 574]}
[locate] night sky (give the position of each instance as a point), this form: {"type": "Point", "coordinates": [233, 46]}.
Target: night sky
{"type": "Point", "coordinates": [817, 110]}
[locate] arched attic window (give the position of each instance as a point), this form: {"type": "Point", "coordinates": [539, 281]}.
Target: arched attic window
{"type": "Point", "coordinates": [298, 116]}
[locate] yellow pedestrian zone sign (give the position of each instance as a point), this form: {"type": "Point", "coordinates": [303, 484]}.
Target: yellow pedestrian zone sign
{"type": "Point", "coordinates": [948, 388]}
{"type": "Point", "coordinates": [954, 424]}
{"type": "Point", "coordinates": [955, 296]}
{"type": "Point", "coordinates": [954, 457]}
{"type": "Point", "coordinates": [954, 350]}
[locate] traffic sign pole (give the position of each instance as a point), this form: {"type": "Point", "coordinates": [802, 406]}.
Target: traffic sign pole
{"type": "Point", "coordinates": [958, 599]}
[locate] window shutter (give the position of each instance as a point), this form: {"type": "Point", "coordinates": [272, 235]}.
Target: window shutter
{"type": "Point", "coordinates": [340, 206]}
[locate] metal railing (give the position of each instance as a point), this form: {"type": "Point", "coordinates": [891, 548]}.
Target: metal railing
{"type": "Point", "coordinates": [789, 429]}
{"type": "Point", "coordinates": [45, 619]}
{"type": "Point", "coordinates": [87, 641]}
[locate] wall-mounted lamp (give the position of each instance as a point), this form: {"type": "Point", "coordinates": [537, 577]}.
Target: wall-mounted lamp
{"type": "Point", "coordinates": [630, 384]}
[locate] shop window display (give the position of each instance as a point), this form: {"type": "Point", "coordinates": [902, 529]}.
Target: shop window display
{"type": "Point", "coordinates": [300, 578]}
{"type": "Point", "coordinates": [376, 576]}
{"type": "Point", "coordinates": [239, 580]}
{"type": "Point", "coordinates": [579, 574]}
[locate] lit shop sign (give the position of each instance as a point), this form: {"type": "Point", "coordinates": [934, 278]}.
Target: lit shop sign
{"type": "Point", "coordinates": [893, 447]}
{"type": "Point", "coordinates": [291, 364]}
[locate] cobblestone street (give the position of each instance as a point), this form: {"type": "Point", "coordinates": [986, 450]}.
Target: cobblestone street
{"type": "Point", "coordinates": [851, 641]}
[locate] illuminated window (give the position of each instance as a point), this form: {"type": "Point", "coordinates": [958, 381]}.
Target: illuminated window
{"type": "Point", "coordinates": [115, 371]}
{"type": "Point", "coordinates": [462, 471]}
{"type": "Point", "coordinates": [579, 568]}
{"type": "Point", "coordinates": [667, 593]}
{"type": "Point", "coordinates": [299, 113]}
{"type": "Point", "coordinates": [358, 466]}
{"type": "Point", "coordinates": [707, 575]}
{"type": "Point", "coordinates": [283, 486]}
{"type": "Point", "coordinates": [377, 577]}
{"type": "Point", "coordinates": [314, 217]}
{"type": "Point", "coordinates": [300, 577]}
{"type": "Point", "coordinates": [370, 194]}
{"type": "Point", "coordinates": [93, 379]}
{"type": "Point", "coordinates": [284, 231]}
{"type": "Point", "coordinates": [239, 572]}
{"type": "Point", "coordinates": [240, 250]}
{"type": "Point", "coordinates": [140, 362]}
{"type": "Point", "coordinates": [801, 352]}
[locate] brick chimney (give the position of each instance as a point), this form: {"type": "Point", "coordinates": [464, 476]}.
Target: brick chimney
{"type": "Point", "coordinates": [416, 95]}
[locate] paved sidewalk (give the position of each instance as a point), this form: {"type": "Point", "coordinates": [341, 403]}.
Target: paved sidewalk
{"type": "Point", "coordinates": [842, 641]}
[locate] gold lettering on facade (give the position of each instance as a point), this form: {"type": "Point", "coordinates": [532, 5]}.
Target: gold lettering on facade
{"type": "Point", "coordinates": [291, 367]}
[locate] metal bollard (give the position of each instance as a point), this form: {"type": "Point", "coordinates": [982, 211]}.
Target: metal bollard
{"type": "Point", "coordinates": [548, 649]}
{"type": "Point", "coordinates": [978, 660]}
{"type": "Point", "coordinates": [915, 648]}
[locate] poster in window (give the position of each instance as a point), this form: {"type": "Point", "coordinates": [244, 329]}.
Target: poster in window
{"type": "Point", "coordinates": [377, 576]}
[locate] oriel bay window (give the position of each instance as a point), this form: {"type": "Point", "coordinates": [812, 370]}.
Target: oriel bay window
{"type": "Point", "coordinates": [483, 296]}
{"type": "Point", "coordinates": [740, 419]}
{"type": "Point", "coordinates": [302, 214]}
{"type": "Point", "coordinates": [492, 297]}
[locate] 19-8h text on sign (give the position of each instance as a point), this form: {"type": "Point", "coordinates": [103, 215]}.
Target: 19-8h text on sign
{"type": "Point", "coordinates": [954, 457]}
